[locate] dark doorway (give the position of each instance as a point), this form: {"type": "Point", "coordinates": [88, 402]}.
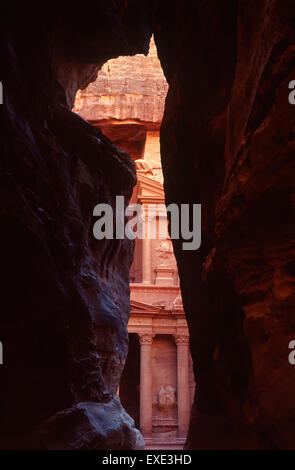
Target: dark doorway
{"type": "Point", "coordinates": [130, 380]}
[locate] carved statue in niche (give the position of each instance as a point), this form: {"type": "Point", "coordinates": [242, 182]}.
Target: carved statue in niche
{"type": "Point", "coordinates": [167, 398]}
{"type": "Point", "coordinates": [177, 303]}
{"type": "Point", "coordinates": [165, 252]}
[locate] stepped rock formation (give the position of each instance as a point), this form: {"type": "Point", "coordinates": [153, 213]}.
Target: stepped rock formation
{"type": "Point", "coordinates": [227, 142]}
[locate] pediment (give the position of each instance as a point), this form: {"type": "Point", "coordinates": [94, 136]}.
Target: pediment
{"type": "Point", "coordinates": [140, 307]}
{"type": "Point", "coordinates": [149, 188]}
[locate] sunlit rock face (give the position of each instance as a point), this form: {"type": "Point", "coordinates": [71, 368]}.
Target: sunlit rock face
{"type": "Point", "coordinates": [64, 296]}
{"type": "Point", "coordinates": [126, 101]}
{"type": "Point", "coordinates": [227, 142]}
{"type": "Point", "coordinates": [127, 88]}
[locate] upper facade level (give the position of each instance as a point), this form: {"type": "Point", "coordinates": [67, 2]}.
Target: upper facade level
{"type": "Point", "coordinates": [127, 103]}
{"type": "Point", "coordinates": [126, 88]}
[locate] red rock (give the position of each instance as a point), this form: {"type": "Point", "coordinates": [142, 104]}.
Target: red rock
{"type": "Point", "coordinates": [64, 295]}
{"type": "Point", "coordinates": [126, 88]}
{"type": "Point", "coordinates": [228, 134]}
{"type": "Point", "coordinates": [226, 142]}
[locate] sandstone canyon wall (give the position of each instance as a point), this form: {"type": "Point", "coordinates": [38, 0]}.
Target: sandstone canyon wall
{"type": "Point", "coordinates": [126, 88]}
{"type": "Point", "coordinates": [126, 101]}
{"type": "Point", "coordinates": [226, 142]}
{"type": "Point", "coordinates": [64, 295]}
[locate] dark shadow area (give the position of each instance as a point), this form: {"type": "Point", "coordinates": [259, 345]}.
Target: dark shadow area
{"type": "Point", "coordinates": [130, 380]}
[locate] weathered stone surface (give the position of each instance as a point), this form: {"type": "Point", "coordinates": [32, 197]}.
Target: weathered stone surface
{"type": "Point", "coordinates": [64, 295]}
{"type": "Point", "coordinates": [131, 136]}
{"type": "Point", "coordinates": [228, 133]}
{"type": "Point", "coordinates": [126, 88]}
{"type": "Point", "coordinates": [227, 142]}
{"type": "Point", "coordinates": [92, 426]}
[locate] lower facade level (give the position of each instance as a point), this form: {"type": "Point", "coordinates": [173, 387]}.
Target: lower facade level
{"type": "Point", "coordinates": [157, 385]}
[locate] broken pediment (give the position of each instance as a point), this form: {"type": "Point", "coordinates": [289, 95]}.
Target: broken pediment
{"type": "Point", "coordinates": [143, 308]}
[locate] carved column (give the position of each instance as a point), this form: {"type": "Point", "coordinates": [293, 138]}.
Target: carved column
{"type": "Point", "coordinates": [146, 253]}
{"type": "Point", "coordinates": [146, 261]}
{"type": "Point", "coordinates": [146, 392]}
{"type": "Point", "coordinates": [183, 404]}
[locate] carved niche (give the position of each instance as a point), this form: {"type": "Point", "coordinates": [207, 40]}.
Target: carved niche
{"type": "Point", "coordinates": [167, 398]}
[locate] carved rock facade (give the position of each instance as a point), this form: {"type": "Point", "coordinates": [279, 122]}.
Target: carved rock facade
{"type": "Point", "coordinates": [227, 142]}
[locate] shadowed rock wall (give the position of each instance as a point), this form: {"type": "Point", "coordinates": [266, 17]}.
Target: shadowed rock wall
{"type": "Point", "coordinates": [64, 295]}
{"type": "Point", "coordinates": [227, 142]}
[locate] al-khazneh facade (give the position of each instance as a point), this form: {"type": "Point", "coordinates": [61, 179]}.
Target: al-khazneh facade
{"type": "Point", "coordinates": [157, 386]}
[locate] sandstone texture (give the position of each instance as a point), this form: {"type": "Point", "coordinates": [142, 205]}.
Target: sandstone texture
{"type": "Point", "coordinates": [227, 142]}
{"type": "Point", "coordinates": [104, 426]}
{"type": "Point", "coordinates": [131, 88]}
{"type": "Point", "coordinates": [64, 294]}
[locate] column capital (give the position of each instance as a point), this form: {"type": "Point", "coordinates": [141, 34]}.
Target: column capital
{"type": "Point", "coordinates": [146, 338]}
{"type": "Point", "coordinates": [181, 338]}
